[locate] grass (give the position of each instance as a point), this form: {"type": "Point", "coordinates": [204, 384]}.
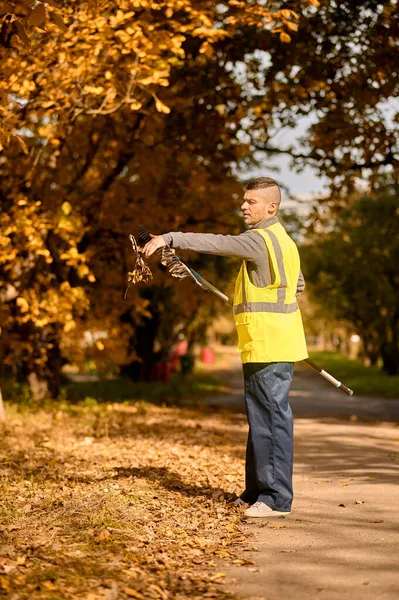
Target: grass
{"type": "Point", "coordinates": [180, 386]}
{"type": "Point", "coordinates": [365, 381]}
{"type": "Point", "coordinates": [194, 386]}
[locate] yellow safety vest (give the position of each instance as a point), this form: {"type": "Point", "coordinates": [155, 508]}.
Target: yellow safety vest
{"type": "Point", "coordinates": [268, 319]}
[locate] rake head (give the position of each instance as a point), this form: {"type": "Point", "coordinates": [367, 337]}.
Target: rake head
{"type": "Point", "coordinates": [168, 256]}
{"type": "Point", "coordinates": [141, 272]}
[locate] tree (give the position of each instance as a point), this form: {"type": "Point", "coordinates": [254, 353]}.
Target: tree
{"type": "Point", "coordinates": [341, 71]}
{"type": "Point", "coordinates": [89, 107]}
{"type": "Point", "coordinates": [20, 20]}
{"type": "Point", "coordinates": [147, 109]}
{"type": "Point", "coordinates": [352, 271]}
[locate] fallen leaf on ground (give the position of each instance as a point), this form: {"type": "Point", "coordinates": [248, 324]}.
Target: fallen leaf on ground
{"type": "Point", "coordinates": [133, 593]}
{"type": "Point", "coordinates": [377, 521]}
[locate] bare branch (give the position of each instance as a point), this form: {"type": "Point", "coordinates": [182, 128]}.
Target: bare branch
{"type": "Point", "coordinates": [316, 156]}
{"type": "Point", "coordinates": [127, 99]}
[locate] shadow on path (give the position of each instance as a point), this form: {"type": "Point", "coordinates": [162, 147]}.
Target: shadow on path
{"type": "Point", "coordinates": [170, 480]}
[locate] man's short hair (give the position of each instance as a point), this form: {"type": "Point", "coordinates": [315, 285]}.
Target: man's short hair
{"type": "Point", "coordinates": [261, 183]}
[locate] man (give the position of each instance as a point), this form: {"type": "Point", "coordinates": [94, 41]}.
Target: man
{"type": "Point", "coordinates": [270, 338]}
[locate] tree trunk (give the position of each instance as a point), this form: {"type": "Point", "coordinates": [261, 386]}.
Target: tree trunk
{"type": "Point", "coordinates": [2, 410]}
{"type": "Point", "coordinates": [45, 383]}
{"type": "Point", "coordinates": [38, 387]}
{"type": "Point", "coordinates": [371, 349]}
{"type": "Point", "coordinates": [390, 359]}
{"type": "Point", "coordinates": [143, 342]}
{"type": "Point", "coordinates": [373, 358]}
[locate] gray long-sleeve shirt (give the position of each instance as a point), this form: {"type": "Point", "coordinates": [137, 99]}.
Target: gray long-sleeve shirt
{"type": "Point", "coordinates": [249, 246]}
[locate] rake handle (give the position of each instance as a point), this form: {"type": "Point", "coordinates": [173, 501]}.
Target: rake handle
{"type": "Point", "coordinates": [330, 378]}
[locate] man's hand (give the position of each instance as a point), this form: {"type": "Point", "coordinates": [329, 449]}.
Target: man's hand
{"type": "Point", "coordinates": [151, 247]}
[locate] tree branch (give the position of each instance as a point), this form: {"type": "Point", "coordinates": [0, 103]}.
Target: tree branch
{"type": "Point", "coordinates": [124, 157]}
{"type": "Point", "coordinates": [316, 156]}
{"type": "Point", "coordinates": [91, 153]}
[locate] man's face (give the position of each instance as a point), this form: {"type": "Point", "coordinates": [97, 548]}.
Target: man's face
{"type": "Point", "coordinates": [257, 206]}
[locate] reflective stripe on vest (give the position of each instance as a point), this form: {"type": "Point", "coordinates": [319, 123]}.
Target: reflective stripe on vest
{"type": "Point", "coordinates": [275, 307]}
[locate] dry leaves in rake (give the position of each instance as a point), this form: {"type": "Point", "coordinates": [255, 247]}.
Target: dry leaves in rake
{"type": "Point", "coordinates": [168, 256]}
{"type": "Point", "coordinates": [141, 271]}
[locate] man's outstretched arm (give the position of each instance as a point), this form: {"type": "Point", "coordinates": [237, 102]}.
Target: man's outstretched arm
{"type": "Point", "coordinates": [247, 245]}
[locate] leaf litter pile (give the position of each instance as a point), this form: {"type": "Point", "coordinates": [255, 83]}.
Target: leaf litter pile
{"type": "Point", "coordinates": [119, 501]}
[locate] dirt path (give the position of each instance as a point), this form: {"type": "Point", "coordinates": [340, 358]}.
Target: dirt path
{"type": "Point", "coordinates": [342, 538]}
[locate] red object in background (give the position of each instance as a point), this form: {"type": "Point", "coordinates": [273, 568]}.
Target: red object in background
{"type": "Point", "coordinates": [208, 356]}
{"type": "Point", "coordinates": [181, 348]}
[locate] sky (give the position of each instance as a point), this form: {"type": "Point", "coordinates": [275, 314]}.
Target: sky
{"type": "Point", "coordinates": [304, 185]}
{"type": "Point", "coordinates": [308, 183]}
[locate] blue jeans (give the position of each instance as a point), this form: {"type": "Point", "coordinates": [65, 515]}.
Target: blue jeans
{"type": "Point", "coordinates": [269, 457]}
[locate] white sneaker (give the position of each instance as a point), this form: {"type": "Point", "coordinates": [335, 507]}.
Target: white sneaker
{"type": "Point", "coordinates": [260, 509]}
{"type": "Point", "coordinates": [240, 503]}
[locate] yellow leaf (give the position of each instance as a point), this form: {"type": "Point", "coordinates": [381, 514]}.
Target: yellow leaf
{"type": "Point", "coordinates": [92, 89]}
{"type": "Point", "coordinates": [82, 270]}
{"type": "Point", "coordinates": [49, 585]}
{"type": "Point", "coordinates": [161, 107]}
{"type": "Point", "coordinates": [286, 13]}
{"type": "Point", "coordinates": [104, 535]}
{"type": "Point", "coordinates": [23, 304]}
{"type": "Point", "coordinates": [136, 105]}
{"type": "Point", "coordinates": [147, 80]}
{"type": "Point", "coordinates": [284, 37]}
{"type": "Point", "coordinates": [314, 3]}
{"type": "Point", "coordinates": [66, 208]}
{"type": "Point", "coordinates": [292, 26]}
{"type": "Point", "coordinates": [4, 583]}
